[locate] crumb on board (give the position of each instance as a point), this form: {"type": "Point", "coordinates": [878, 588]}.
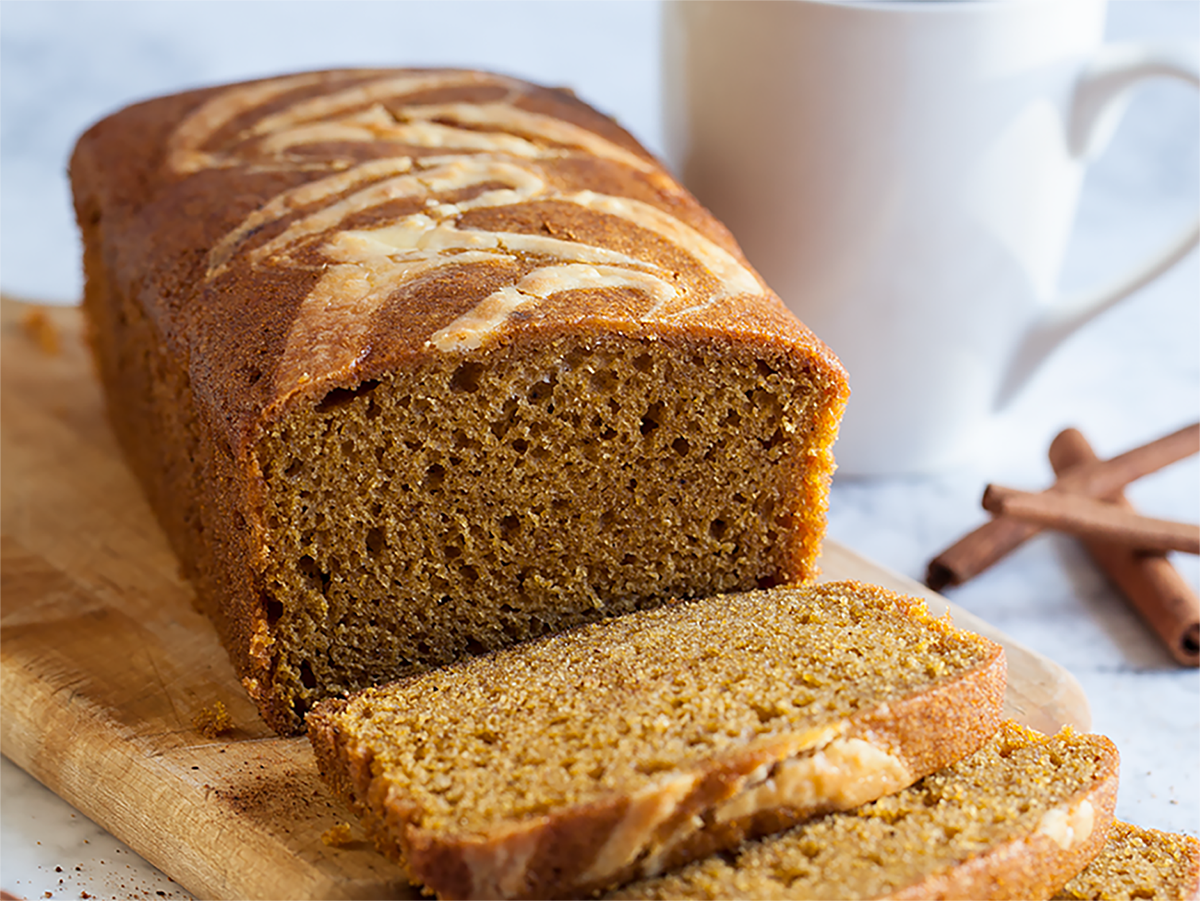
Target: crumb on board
{"type": "Point", "coordinates": [42, 331]}
{"type": "Point", "coordinates": [212, 720]}
{"type": "Point", "coordinates": [339, 836]}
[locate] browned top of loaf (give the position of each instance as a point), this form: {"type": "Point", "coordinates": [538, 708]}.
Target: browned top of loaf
{"type": "Point", "coordinates": [238, 217]}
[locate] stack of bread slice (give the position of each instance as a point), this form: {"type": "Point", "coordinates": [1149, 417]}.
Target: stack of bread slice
{"type": "Point", "coordinates": [832, 741]}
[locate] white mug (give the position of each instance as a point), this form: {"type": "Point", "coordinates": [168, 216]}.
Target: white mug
{"type": "Point", "coordinates": [905, 175]}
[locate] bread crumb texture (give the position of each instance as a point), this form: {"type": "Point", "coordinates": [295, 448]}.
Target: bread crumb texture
{"type": "Point", "coordinates": [900, 845]}
{"type": "Point", "coordinates": [1139, 863]}
{"type": "Point", "coordinates": [42, 331]}
{"type": "Point", "coordinates": [212, 720]}
{"type": "Point", "coordinates": [477, 503]}
{"type": "Point", "coordinates": [617, 707]}
{"type": "Point", "coordinates": [338, 836]}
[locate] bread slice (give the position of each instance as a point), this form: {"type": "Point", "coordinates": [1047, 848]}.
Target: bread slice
{"type": "Point", "coordinates": [1014, 820]}
{"type": "Point", "coordinates": [1136, 864]}
{"type": "Point", "coordinates": [415, 364]}
{"type": "Point", "coordinates": [620, 749]}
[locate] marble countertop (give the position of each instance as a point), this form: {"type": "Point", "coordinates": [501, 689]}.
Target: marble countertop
{"type": "Point", "coordinates": [1130, 376]}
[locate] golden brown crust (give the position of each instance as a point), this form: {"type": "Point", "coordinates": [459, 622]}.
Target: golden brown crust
{"type": "Point", "coordinates": [121, 167]}
{"type": "Point", "coordinates": [222, 225]}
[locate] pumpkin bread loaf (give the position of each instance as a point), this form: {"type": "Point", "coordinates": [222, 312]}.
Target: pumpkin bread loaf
{"type": "Point", "coordinates": [1136, 864]}
{"type": "Point", "coordinates": [1014, 820]}
{"type": "Point", "coordinates": [416, 364]}
{"type": "Point", "coordinates": [623, 748]}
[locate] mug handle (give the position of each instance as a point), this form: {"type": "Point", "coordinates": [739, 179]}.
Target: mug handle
{"type": "Point", "coordinates": [1100, 97]}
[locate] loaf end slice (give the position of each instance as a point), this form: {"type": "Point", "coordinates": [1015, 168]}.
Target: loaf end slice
{"type": "Point", "coordinates": [1139, 863]}
{"type": "Point", "coordinates": [1014, 820]}
{"type": "Point", "coordinates": [624, 748]}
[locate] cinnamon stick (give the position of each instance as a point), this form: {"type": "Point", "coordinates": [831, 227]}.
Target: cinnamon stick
{"type": "Point", "coordinates": [992, 541]}
{"type": "Point", "coordinates": [977, 550]}
{"type": "Point", "coordinates": [1088, 518]}
{"type": "Point", "coordinates": [1153, 586]}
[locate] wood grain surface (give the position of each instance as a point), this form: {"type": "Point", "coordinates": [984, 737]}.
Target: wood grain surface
{"type": "Point", "coordinates": [105, 663]}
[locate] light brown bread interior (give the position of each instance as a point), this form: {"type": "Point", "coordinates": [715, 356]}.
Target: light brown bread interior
{"type": "Point", "coordinates": [1139, 863]}
{"type": "Point", "coordinates": [478, 502]}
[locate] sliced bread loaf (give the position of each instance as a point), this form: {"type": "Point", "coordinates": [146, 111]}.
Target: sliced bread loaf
{"type": "Point", "coordinates": [1013, 820]}
{"type": "Point", "coordinates": [1139, 863]}
{"type": "Point", "coordinates": [415, 364]}
{"type": "Point", "coordinates": [620, 749]}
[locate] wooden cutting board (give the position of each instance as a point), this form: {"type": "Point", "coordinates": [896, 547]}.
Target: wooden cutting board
{"type": "Point", "coordinates": [104, 663]}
